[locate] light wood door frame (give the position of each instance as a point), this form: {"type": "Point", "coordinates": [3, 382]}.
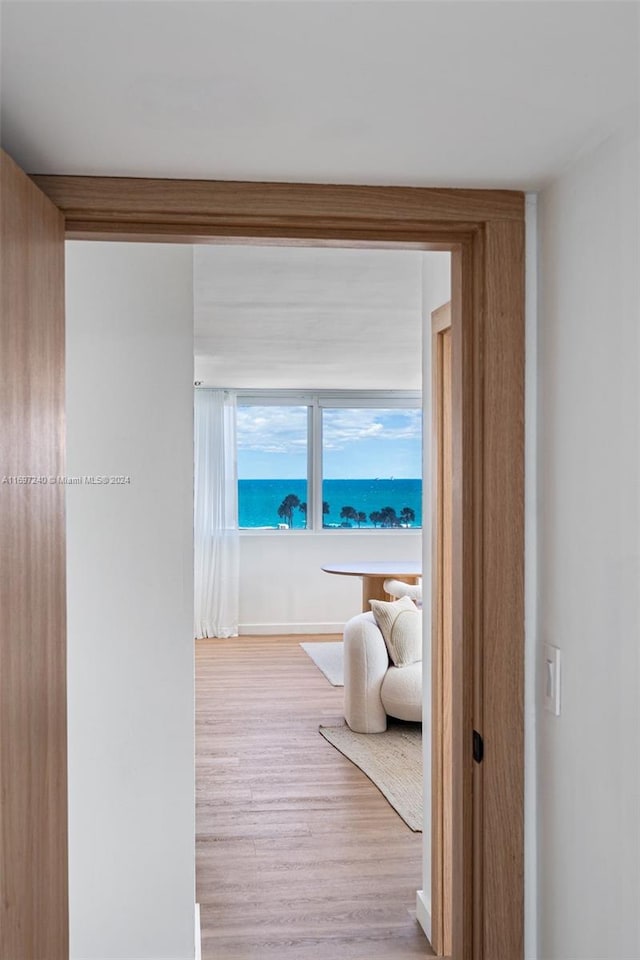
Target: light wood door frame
{"type": "Point", "coordinates": [441, 629]}
{"type": "Point", "coordinates": [484, 230]}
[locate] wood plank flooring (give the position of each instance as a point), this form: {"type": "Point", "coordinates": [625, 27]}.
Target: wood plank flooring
{"type": "Point", "coordinates": [299, 857]}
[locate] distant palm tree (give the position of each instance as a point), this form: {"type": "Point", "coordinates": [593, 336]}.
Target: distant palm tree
{"type": "Point", "coordinates": [303, 509]}
{"type": "Point", "coordinates": [389, 517]}
{"type": "Point", "coordinates": [375, 517]}
{"type": "Point", "coordinates": [407, 515]}
{"type": "Point", "coordinates": [286, 508]}
{"type": "Point", "coordinates": [325, 508]}
{"type": "Point", "coordinates": [361, 518]}
{"type": "Point", "coordinates": [349, 513]}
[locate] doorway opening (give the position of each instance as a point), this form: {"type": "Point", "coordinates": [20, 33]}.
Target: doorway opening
{"type": "Point", "coordinates": [320, 352]}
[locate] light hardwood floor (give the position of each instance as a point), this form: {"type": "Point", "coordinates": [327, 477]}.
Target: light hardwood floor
{"type": "Point", "coordinates": [299, 857]}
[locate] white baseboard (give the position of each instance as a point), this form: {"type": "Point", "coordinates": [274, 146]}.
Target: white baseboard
{"type": "Point", "coordinates": [284, 629]}
{"type": "Point", "coordinates": [423, 913]}
{"type": "Point", "coordinates": [198, 934]}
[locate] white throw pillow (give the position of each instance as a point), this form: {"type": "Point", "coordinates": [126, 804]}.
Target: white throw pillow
{"type": "Point", "coordinates": [400, 623]}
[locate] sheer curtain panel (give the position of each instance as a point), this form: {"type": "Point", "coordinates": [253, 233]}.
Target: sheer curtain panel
{"type": "Point", "coordinates": [216, 515]}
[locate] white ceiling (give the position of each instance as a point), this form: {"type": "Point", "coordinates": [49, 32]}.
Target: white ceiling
{"type": "Point", "coordinates": [425, 93]}
{"type": "Point", "coordinates": [310, 318]}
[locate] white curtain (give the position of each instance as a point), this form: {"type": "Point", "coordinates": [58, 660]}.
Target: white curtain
{"type": "Point", "coordinates": [216, 515]}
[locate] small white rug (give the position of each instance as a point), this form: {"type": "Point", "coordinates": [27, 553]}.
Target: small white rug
{"type": "Point", "coordinates": [328, 657]}
{"type": "Point", "coordinates": [392, 760]}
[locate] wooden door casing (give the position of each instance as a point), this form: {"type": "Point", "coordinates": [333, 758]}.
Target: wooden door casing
{"type": "Point", "coordinates": [484, 230]}
{"type": "Point", "coordinates": [441, 631]}
{"type": "Point", "coordinates": [33, 710]}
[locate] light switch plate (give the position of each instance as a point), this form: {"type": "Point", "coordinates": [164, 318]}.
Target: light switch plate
{"type": "Point", "coordinates": [551, 679]}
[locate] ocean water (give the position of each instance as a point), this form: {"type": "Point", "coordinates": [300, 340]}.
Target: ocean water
{"type": "Point", "coordinates": [258, 500]}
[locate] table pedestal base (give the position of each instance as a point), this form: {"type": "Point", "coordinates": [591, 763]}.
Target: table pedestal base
{"type": "Point", "coordinates": [373, 589]}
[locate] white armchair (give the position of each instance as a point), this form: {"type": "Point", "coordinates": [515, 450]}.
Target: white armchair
{"type": "Point", "coordinates": [373, 687]}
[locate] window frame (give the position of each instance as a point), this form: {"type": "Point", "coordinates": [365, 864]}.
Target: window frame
{"type": "Point", "coordinates": [316, 401]}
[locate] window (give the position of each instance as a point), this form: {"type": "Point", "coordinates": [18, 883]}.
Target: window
{"type": "Point", "coordinates": [372, 466]}
{"type": "Point", "coordinates": [272, 466]}
{"type": "Point", "coordinates": [333, 462]}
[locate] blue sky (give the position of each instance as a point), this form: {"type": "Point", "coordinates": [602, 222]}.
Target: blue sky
{"type": "Point", "coordinates": [357, 443]}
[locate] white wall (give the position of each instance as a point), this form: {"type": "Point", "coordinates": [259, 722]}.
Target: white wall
{"type": "Point", "coordinates": [130, 602]}
{"type": "Point", "coordinates": [436, 291]}
{"type": "Point", "coordinates": [284, 590]}
{"type": "Point", "coordinates": [588, 543]}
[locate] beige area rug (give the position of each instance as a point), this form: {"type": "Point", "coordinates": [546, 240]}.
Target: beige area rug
{"type": "Point", "coordinates": [392, 760]}
{"type": "Point", "coordinates": [328, 657]}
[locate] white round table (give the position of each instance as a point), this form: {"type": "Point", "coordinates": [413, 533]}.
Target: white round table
{"type": "Point", "coordinates": [374, 573]}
